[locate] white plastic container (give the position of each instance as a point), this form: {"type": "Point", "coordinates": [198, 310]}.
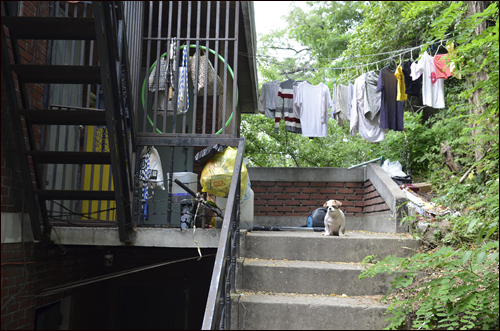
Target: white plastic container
{"type": "Point", "coordinates": [246, 208]}
{"type": "Point", "coordinates": [189, 179]}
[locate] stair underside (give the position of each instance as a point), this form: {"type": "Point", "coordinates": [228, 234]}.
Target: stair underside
{"type": "Point", "coordinates": [70, 157]}
{"type": "Point", "coordinates": [75, 195]}
{"type": "Point", "coordinates": [58, 74]}
{"type": "Point", "coordinates": [64, 117]}
{"type": "Point", "coordinates": [51, 28]}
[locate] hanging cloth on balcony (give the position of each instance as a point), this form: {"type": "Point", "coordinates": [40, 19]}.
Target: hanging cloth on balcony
{"type": "Point", "coordinates": [150, 174]}
{"type": "Point", "coordinates": [204, 64]}
{"type": "Point", "coordinates": [145, 175]}
{"type": "Point", "coordinates": [183, 95]}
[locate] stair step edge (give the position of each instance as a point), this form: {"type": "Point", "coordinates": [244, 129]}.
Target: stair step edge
{"type": "Point", "coordinates": [298, 298]}
{"type": "Point", "coordinates": [249, 262]}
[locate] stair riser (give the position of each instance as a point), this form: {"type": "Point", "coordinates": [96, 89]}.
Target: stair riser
{"type": "Point", "coordinates": [331, 249]}
{"type": "Point", "coordinates": [279, 316]}
{"type": "Point", "coordinates": [313, 281]}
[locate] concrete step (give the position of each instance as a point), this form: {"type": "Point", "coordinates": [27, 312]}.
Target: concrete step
{"type": "Point", "coordinates": [310, 278]}
{"type": "Point", "coordinates": [264, 311]}
{"type": "Point", "coordinates": [313, 246]}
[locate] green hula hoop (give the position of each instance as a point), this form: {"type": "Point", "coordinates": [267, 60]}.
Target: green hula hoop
{"type": "Point", "coordinates": [165, 54]}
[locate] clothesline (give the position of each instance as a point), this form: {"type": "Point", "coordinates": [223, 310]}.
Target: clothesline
{"type": "Point", "coordinates": [394, 53]}
{"type": "Point", "coordinates": [375, 62]}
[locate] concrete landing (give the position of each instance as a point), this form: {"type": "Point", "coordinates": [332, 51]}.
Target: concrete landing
{"type": "Point", "coordinates": [145, 237]}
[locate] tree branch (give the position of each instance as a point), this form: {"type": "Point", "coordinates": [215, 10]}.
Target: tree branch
{"type": "Point", "coordinates": [300, 69]}
{"type": "Point", "coordinates": [291, 49]}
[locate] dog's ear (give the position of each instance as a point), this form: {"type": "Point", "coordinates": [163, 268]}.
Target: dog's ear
{"type": "Point", "coordinates": [325, 205]}
{"type": "Point", "coordinates": [338, 203]}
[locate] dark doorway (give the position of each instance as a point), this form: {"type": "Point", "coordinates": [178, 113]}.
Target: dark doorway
{"type": "Point", "coordinates": [48, 317]}
{"type": "Point", "coordinates": [152, 308]}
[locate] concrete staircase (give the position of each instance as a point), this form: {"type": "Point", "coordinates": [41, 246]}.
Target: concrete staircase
{"type": "Point", "coordinates": [303, 280]}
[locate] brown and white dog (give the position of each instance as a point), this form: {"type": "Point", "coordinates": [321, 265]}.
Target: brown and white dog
{"type": "Point", "coordinates": [334, 219]}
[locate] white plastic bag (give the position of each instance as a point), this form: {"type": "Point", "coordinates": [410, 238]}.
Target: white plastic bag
{"type": "Point", "coordinates": [155, 175]}
{"type": "Point", "coordinates": [393, 168]}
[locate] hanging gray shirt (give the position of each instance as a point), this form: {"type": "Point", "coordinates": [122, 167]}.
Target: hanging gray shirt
{"type": "Point", "coordinates": [267, 100]}
{"type": "Point", "coordinates": [372, 96]}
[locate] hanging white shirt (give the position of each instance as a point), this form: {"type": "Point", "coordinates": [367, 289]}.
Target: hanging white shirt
{"type": "Point", "coordinates": [313, 102]}
{"type": "Point", "coordinates": [432, 88]}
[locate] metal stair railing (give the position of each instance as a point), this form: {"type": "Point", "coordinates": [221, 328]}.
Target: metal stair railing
{"type": "Point", "coordinates": [218, 308]}
{"type": "Point", "coordinates": [113, 55]}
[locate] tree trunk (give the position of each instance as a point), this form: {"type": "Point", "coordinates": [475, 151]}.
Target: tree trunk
{"type": "Point", "coordinates": [477, 109]}
{"type": "Point", "coordinates": [448, 157]}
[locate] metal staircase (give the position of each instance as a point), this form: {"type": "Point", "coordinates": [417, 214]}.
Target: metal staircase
{"type": "Point", "coordinates": [107, 30]}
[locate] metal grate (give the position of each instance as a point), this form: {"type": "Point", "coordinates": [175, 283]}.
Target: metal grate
{"type": "Point", "coordinates": [209, 28]}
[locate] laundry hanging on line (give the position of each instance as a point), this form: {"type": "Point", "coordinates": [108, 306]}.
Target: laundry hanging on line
{"type": "Point", "coordinates": [373, 105]}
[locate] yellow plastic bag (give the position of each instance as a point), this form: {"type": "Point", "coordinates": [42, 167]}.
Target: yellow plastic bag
{"type": "Point", "coordinates": [216, 176]}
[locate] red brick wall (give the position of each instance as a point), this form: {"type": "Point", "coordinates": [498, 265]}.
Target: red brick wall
{"type": "Point", "coordinates": [301, 198]}
{"type": "Point", "coordinates": [32, 52]}
{"type": "Point", "coordinates": [374, 203]}
{"type": "Point", "coordinates": [47, 266]}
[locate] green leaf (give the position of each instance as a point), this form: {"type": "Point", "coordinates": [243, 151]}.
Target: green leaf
{"type": "Point", "coordinates": [471, 224]}
{"type": "Point", "coordinates": [480, 257]}
{"type": "Point", "coordinates": [466, 256]}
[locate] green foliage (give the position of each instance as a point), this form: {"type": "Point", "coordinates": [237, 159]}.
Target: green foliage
{"type": "Point", "coordinates": [265, 148]}
{"type": "Point", "coordinates": [446, 289]}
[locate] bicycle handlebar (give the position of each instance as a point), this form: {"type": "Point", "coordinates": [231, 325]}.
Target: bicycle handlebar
{"type": "Point", "coordinates": [217, 211]}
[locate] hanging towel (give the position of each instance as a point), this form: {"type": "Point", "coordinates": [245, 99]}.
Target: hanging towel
{"type": "Point", "coordinates": [401, 93]}
{"type": "Point", "coordinates": [183, 94]}
{"type": "Point", "coordinates": [442, 66]}
{"type": "Point", "coordinates": [343, 102]}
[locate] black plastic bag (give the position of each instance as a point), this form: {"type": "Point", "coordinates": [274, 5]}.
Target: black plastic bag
{"type": "Point", "coordinates": [203, 156]}
{"type": "Point", "coordinates": [316, 218]}
{"type": "Point", "coordinates": [402, 180]}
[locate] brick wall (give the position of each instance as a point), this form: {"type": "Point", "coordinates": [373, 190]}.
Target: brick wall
{"type": "Point", "coordinates": [374, 203]}
{"type": "Point", "coordinates": [31, 52]}
{"type": "Point", "coordinates": [301, 198]}
{"type": "Point", "coordinates": [47, 265]}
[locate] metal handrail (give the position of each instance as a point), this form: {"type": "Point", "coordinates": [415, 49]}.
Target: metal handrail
{"type": "Point", "coordinates": [218, 308]}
